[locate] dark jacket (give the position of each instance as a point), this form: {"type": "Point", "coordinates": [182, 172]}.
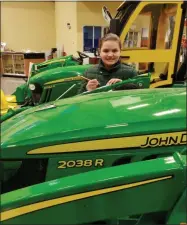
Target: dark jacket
{"type": "Point", "coordinates": [99, 72]}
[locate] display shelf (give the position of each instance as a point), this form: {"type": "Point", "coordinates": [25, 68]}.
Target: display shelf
{"type": "Point", "coordinates": [17, 63]}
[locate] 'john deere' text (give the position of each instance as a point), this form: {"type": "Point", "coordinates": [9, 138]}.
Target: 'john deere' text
{"type": "Point", "coordinates": [165, 141]}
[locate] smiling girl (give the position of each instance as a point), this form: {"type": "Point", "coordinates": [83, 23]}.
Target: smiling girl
{"type": "Point", "coordinates": [109, 70]}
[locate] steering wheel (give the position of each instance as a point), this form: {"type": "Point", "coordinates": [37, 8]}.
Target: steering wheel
{"type": "Point", "coordinates": [82, 55]}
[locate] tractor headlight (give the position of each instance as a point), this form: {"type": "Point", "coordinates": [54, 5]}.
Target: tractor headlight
{"type": "Point", "coordinates": [36, 90]}
{"type": "Point", "coordinates": [32, 87]}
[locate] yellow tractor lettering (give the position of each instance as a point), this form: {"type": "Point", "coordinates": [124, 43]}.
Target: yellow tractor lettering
{"type": "Point", "coordinates": [99, 162]}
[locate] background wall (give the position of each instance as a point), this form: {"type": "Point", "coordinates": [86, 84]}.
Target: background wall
{"type": "Point", "coordinates": [78, 14]}
{"type": "Point", "coordinates": [28, 25]}
{"type": "Point", "coordinates": [39, 26]}
{"type": "Point", "coordinates": [90, 13]}
{"type": "Point", "coordinates": [66, 12]}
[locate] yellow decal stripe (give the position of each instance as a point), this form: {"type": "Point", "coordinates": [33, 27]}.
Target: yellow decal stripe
{"type": "Point", "coordinates": [116, 143]}
{"type": "Point", "coordinates": [49, 203]}
{"type": "Point", "coordinates": [64, 80]}
{"type": "Point", "coordinates": [57, 60]}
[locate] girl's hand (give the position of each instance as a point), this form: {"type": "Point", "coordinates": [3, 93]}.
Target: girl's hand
{"type": "Point", "coordinates": [92, 85]}
{"type": "Point", "coordinates": [113, 81]}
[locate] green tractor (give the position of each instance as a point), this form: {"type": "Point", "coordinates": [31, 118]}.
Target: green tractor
{"type": "Point", "coordinates": [43, 88]}
{"type": "Point", "coordinates": [113, 157]}
{"type": "Point", "coordinates": [109, 156]}
{"type": "Point", "coordinates": [36, 85]}
{"type": "Point", "coordinates": [158, 56]}
{"type": "Point", "coordinates": [40, 72]}
{"type": "Point", "coordinates": [50, 70]}
{"type": "Point", "coordinates": [62, 61]}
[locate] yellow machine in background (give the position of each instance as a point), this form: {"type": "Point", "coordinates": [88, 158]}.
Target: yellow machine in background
{"type": "Point", "coordinates": [7, 102]}
{"type": "Point", "coordinates": [151, 35]}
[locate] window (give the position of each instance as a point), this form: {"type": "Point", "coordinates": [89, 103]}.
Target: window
{"type": "Point", "coordinates": [91, 37]}
{"type": "Point", "coordinates": [153, 28]}
{"type": "Point", "coordinates": [148, 32]}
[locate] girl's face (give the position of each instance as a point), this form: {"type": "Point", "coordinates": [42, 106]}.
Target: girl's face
{"type": "Point", "coordinates": [110, 53]}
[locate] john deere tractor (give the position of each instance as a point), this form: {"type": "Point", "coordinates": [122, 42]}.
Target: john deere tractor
{"type": "Point", "coordinates": [110, 156]}
{"type": "Point", "coordinates": [154, 49]}
{"type": "Point", "coordinates": [115, 157]}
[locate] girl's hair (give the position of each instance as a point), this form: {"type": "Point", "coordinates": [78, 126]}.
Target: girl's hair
{"type": "Point", "coordinates": [110, 37]}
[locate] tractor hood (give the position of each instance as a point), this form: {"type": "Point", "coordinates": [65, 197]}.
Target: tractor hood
{"type": "Point", "coordinates": [95, 116]}
{"type": "Point", "coordinates": [58, 73]}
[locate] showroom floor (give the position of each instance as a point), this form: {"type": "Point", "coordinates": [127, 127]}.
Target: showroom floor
{"type": "Point", "coordinates": [9, 84]}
